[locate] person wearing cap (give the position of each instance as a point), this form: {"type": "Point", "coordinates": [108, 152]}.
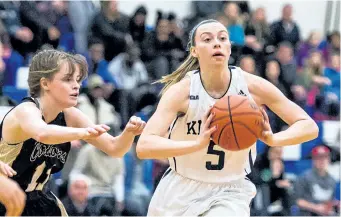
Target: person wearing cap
{"type": "Point", "coordinates": [315, 189]}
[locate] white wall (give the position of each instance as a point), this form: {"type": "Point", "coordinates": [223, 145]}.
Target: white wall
{"type": "Point", "coordinates": [306, 22]}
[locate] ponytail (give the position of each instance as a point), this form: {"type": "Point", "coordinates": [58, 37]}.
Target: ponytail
{"type": "Point", "coordinates": [191, 63]}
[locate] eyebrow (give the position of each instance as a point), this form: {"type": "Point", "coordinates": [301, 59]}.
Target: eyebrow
{"type": "Point", "coordinates": [211, 32]}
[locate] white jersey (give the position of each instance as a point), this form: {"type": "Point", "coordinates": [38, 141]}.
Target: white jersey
{"type": "Point", "coordinates": [212, 164]}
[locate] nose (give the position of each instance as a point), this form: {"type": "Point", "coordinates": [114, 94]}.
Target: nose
{"type": "Point", "coordinates": [76, 86]}
{"type": "Point", "coordinates": [217, 43]}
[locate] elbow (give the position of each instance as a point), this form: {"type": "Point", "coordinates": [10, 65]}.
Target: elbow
{"type": "Point", "coordinates": [314, 130]}
{"type": "Point", "coordinates": [141, 151]}
{"type": "Point", "coordinates": [42, 137]}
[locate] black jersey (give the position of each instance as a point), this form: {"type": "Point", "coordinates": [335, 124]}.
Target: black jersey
{"type": "Point", "coordinates": [34, 161]}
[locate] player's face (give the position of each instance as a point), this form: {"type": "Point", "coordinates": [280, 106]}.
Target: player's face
{"type": "Point", "coordinates": [64, 87]}
{"type": "Point", "coordinates": [212, 43]}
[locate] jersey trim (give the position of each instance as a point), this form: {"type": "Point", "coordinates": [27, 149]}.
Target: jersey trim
{"type": "Point", "coordinates": [202, 84]}
{"type": "Point", "coordinates": [169, 137]}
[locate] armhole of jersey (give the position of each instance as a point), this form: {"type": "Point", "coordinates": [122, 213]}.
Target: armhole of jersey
{"type": "Point", "coordinates": [26, 99]}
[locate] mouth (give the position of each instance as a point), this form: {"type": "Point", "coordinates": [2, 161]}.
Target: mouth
{"type": "Point", "coordinates": [75, 95]}
{"type": "Point", "coordinates": [218, 54]}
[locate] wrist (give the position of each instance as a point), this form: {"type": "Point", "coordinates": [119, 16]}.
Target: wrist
{"type": "Point", "coordinates": [126, 133]}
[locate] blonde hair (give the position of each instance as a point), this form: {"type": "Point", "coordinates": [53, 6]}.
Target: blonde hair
{"type": "Point", "coordinates": [46, 63]}
{"type": "Point", "coordinates": [191, 63]}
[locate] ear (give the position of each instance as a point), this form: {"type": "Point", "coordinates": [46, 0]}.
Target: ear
{"type": "Point", "coordinates": [44, 83]}
{"type": "Point", "coordinates": [194, 52]}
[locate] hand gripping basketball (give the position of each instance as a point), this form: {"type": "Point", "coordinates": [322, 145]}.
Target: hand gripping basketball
{"type": "Point", "coordinates": [205, 134]}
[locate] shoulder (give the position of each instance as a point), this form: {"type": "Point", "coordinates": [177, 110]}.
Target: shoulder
{"type": "Point", "coordinates": [177, 96]}
{"type": "Point", "coordinates": [26, 107]}
{"type": "Point", "coordinates": [73, 116]}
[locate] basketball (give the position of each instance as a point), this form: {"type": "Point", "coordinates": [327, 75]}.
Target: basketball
{"type": "Point", "coordinates": [239, 122]}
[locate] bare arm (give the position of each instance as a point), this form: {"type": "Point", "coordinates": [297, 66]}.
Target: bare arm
{"type": "Point", "coordinates": [113, 146]}
{"type": "Point", "coordinates": [152, 143]}
{"type": "Point", "coordinates": [29, 118]}
{"type": "Point", "coordinates": [301, 127]}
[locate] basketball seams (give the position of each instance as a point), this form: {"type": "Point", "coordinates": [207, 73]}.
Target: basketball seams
{"type": "Point", "coordinates": [222, 109]}
{"type": "Point", "coordinates": [237, 114]}
{"type": "Point", "coordinates": [244, 125]}
{"type": "Point", "coordinates": [234, 133]}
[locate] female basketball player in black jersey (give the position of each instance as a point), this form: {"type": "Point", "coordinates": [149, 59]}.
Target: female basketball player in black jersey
{"type": "Point", "coordinates": [36, 134]}
{"type": "Point", "coordinates": [11, 195]}
{"type": "Point", "coordinates": [193, 187]}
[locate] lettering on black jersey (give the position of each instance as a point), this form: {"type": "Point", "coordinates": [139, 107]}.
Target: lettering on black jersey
{"type": "Point", "coordinates": [47, 151]}
{"type": "Point", "coordinates": [193, 127]}
{"type": "Point", "coordinates": [194, 97]}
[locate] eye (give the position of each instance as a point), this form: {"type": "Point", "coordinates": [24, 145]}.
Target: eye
{"type": "Point", "coordinates": [207, 40]}
{"type": "Point", "coordinates": [223, 38]}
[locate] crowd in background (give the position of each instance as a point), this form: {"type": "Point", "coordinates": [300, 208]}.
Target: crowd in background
{"type": "Point", "coordinates": [125, 56]}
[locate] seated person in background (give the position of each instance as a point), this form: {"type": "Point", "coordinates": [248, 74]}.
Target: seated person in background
{"type": "Point", "coordinates": [76, 202]}
{"type": "Point", "coordinates": [315, 189]}
{"type": "Point", "coordinates": [106, 174]}
{"type": "Point", "coordinates": [269, 170]}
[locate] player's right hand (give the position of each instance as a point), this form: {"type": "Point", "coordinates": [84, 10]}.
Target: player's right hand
{"type": "Point", "coordinates": [12, 197]}
{"type": "Point", "coordinates": [206, 132]}
{"type": "Point", "coordinates": [6, 170]}
{"type": "Point", "coordinates": [94, 131]}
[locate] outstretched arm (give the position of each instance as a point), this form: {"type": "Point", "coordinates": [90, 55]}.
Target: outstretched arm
{"type": "Point", "coordinates": [301, 127]}
{"type": "Point", "coordinates": [113, 146]}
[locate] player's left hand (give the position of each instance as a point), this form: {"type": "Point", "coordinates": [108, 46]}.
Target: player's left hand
{"type": "Point", "coordinates": [135, 125]}
{"type": "Point", "coordinates": [267, 135]}
{"type": "Point", "coordinates": [6, 170]}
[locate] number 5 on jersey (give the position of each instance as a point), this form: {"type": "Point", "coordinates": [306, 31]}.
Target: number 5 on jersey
{"type": "Point", "coordinates": [221, 158]}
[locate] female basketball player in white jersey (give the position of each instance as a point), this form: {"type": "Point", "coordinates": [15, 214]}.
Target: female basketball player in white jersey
{"type": "Point", "coordinates": [203, 178]}
{"type": "Point", "coordinates": [36, 134]}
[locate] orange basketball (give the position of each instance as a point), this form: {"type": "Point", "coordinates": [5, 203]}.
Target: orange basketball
{"type": "Point", "coordinates": [239, 122]}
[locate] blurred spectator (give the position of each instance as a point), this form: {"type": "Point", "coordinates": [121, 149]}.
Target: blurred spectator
{"type": "Point", "coordinates": [206, 8]}
{"type": "Point", "coordinates": [332, 72]}
{"type": "Point", "coordinates": [96, 55]}
{"type": "Point", "coordinates": [19, 35]}
{"type": "Point", "coordinates": [95, 106]}
{"type": "Point", "coordinates": [128, 70]}
{"type": "Point", "coordinates": [285, 56]}
{"type": "Point", "coordinates": [41, 19]}
{"type": "Point", "coordinates": [332, 45]}
{"type": "Point", "coordinates": [81, 14]}
{"type": "Point", "coordinates": [235, 29]}
{"type": "Point", "coordinates": [312, 73]}
{"type": "Point", "coordinates": [106, 174]}
{"type": "Point", "coordinates": [138, 184]}
{"type": "Point", "coordinates": [307, 47]}
{"type": "Point", "coordinates": [112, 27]}
{"type": "Point", "coordinates": [273, 74]}
{"type": "Point", "coordinates": [161, 51]}
{"type": "Point", "coordinates": [269, 170]}
{"type": "Point", "coordinates": [247, 63]}
{"type": "Point", "coordinates": [285, 29]}
{"type": "Point", "coordinates": [257, 31]}
{"type": "Point", "coordinates": [137, 25]}
{"type": "Point", "coordinates": [76, 202]}
{"type": "Point", "coordinates": [315, 189]}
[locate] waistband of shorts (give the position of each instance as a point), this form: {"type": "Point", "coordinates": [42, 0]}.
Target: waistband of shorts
{"type": "Point", "coordinates": [233, 183]}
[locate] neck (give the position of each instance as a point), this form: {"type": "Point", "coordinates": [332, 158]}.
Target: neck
{"type": "Point", "coordinates": [321, 172]}
{"type": "Point", "coordinates": [49, 108]}
{"type": "Point", "coordinates": [216, 79]}
{"type": "Point", "coordinates": [111, 15]}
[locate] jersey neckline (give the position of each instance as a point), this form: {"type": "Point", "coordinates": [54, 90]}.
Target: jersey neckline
{"type": "Point", "coordinates": [202, 84]}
